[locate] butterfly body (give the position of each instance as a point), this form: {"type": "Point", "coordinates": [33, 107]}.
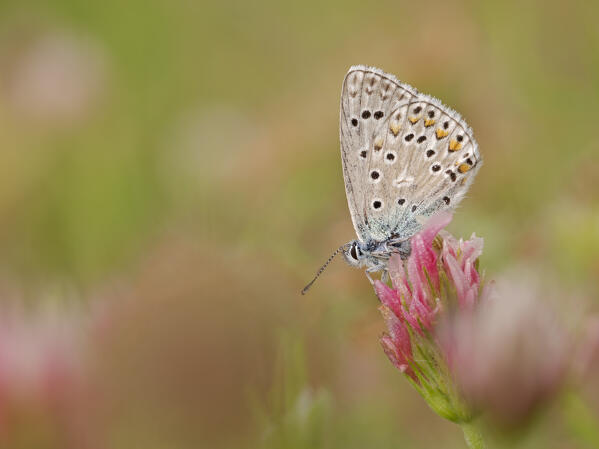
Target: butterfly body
{"type": "Point", "coordinates": [405, 157]}
{"type": "Point", "coordinates": [374, 255]}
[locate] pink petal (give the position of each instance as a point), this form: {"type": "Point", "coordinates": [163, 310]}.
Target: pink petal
{"type": "Point", "coordinates": [405, 292]}
{"type": "Point", "coordinates": [420, 312]}
{"type": "Point", "coordinates": [399, 279]}
{"type": "Point", "coordinates": [468, 270]}
{"type": "Point", "coordinates": [470, 298]}
{"type": "Point", "coordinates": [396, 271]}
{"type": "Point", "coordinates": [456, 276]}
{"type": "Point", "coordinates": [412, 320]}
{"type": "Point", "coordinates": [434, 225]}
{"type": "Point", "coordinates": [388, 297]}
{"type": "Point", "coordinates": [415, 276]}
{"type": "Point", "coordinates": [425, 258]}
{"type": "Point", "coordinates": [450, 244]}
{"type": "Point", "coordinates": [398, 332]}
{"type": "Point", "coordinates": [473, 248]}
{"type": "Point", "coordinates": [394, 356]}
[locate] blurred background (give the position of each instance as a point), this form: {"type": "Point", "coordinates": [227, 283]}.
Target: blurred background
{"type": "Point", "coordinates": [171, 179]}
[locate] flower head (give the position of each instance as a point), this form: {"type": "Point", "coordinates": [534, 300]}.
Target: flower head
{"type": "Point", "coordinates": [421, 289]}
{"type": "Point", "coordinates": [510, 355]}
{"type": "Point", "coordinates": [466, 346]}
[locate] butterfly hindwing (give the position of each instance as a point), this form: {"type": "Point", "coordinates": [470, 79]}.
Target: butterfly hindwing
{"type": "Point", "coordinates": [433, 162]}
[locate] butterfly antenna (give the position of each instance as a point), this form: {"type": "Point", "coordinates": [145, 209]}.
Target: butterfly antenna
{"type": "Point", "coordinates": [319, 272]}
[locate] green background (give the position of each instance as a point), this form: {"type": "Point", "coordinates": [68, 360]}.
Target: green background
{"type": "Point", "coordinates": [200, 183]}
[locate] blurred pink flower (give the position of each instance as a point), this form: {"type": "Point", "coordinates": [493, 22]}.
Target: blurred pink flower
{"type": "Point", "coordinates": [586, 370]}
{"type": "Point", "coordinates": [42, 378]}
{"type": "Point", "coordinates": [510, 355]}
{"type": "Point", "coordinates": [588, 356]}
{"type": "Point", "coordinates": [57, 79]}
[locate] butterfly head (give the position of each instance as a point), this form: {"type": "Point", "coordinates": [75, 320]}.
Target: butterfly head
{"type": "Point", "coordinates": [374, 255]}
{"type": "Point", "coordinates": [370, 255]}
{"type": "Point", "coordinates": [354, 254]}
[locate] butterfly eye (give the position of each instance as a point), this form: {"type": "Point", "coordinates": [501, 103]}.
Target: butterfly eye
{"type": "Point", "coordinates": [353, 252]}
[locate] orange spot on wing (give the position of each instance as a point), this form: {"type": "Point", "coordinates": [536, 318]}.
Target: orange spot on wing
{"type": "Point", "coordinates": [454, 145]}
{"type": "Point", "coordinates": [394, 128]}
{"type": "Point", "coordinates": [429, 122]}
{"type": "Point", "coordinates": [413, 119]}
{"type": "Point", "coordinates": [441, 133]}
{"type": "Point", "coordinates": [463, 168]}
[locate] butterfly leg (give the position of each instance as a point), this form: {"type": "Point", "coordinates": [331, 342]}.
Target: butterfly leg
{"type": "Point", "coordinates": [368, 276]}
{"type": "Point", "coordinates": [375, 269]}
{"type": "Point", "coordinates": [385, 276]}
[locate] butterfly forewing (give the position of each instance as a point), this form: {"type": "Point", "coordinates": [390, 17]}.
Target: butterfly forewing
{"type": "Point", "coordinates": [404, 155]}
{"type": "Point", "coordinates": [367, 100]}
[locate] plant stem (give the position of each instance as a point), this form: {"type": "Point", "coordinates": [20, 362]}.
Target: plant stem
{"type": "Point", "coordinates": [473, 437]}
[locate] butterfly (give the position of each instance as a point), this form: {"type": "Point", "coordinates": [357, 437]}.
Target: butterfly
{"type": "Point", "coordinates": [405, 157]}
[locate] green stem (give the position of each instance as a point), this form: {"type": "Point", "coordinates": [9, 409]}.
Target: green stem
{"type": "Point", "coordinates": [473, 437]}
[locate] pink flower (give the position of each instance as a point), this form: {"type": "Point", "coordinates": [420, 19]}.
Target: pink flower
{"type": "Point", "coordinates": [510, 355]}
{"type": "Point", "coordinates": [56, 79]}
{"type": "Point", "coordinates": [420, 289]}
{"type": "Point", "coordinates": [416, 283]}
{"type": "Point", "coordinates": [464, 351]}
{"type": "Point", "coordinates": [411, 302]}
{"type": "Point", "coordinates": [43, 379]}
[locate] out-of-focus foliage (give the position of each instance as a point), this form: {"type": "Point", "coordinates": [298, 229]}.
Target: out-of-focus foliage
{"type": "Point", "coordinates": [173, 167]}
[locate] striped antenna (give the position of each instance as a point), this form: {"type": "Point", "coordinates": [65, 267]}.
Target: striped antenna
{"type": "Point", "coordinates": [319, 272]}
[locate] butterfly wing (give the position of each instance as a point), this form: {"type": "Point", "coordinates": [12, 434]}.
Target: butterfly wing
{"type": "Point", "coordinates": [420, 156]}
